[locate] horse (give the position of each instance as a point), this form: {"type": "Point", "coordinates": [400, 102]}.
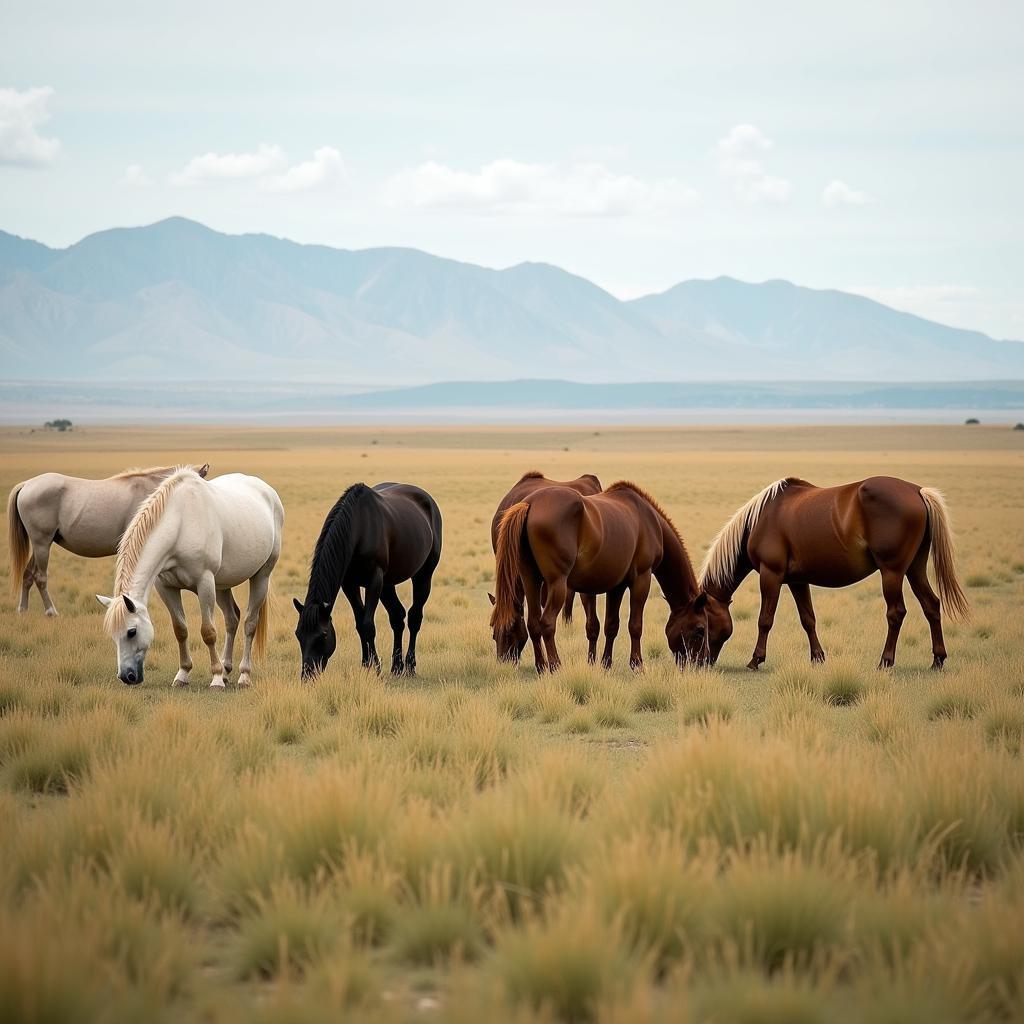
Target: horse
{"type": "Point", "coordinates": [605, 543]}
{"type": "Point", "coordinates": [202, 537]}
{"type": "Point", "coordinates": [373, 538]}
{"type": "Point", "coordinates": [511, 641]}
{"type": "Point", "coordinates": [87, 517]}
{"type": "Point", "coordinates": [800, 535]}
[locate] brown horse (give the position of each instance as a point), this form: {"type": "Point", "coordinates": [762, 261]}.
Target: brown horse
{"type": "Point", "coordinates": [803, 536]}
{"type": "Point", "coordinates": [511, 640]}
{"type": "Point", "coordinates": [607, 543]}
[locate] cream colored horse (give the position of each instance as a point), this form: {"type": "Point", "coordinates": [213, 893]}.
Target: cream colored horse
{"type": "Point", "coordinates": [202, 537]}
{"type": "Point", "coordinates": [87, 517]}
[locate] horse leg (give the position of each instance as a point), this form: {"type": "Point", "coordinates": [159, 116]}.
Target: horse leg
{"type": "Point", "coordinates": [421, 584]}
{"type": "Point", "coordinates": [918, 576]}
{"type": "Point", "coordinates": [41, 559]}
{"type": "Point", "coordinates": [611, 622]}
{"type": "Point", "coordinates": [27, 579]}
{"type": "Point", "coordinates": [638, 592]}
{"type": "Point", "coordinates": [771, 585]}
{"type": "Point", "coordinates": [355, 599]}
{"type": "Point", "coordinates": [549, 621]}
{"type": "Point", "coordinates": [589, 602]}
{"type": "Point", "coordinates": [207, 592]}
{"type": "Point", "coordinates": [396, 616]}
{"type": "Point", "coordinates": [232, 616]}
{"type": "Point", "coordinates": [802, 596]}
{"type": "Point", "coordinates": [895, 613]}
{"type": "Point", "coordinates": [259, 588]}
{"type": "Point", "coordinates": [179, 624]}
{"type": "Point", "coordinates": [368, 631]}
{"type": "Point", "coordinates": [532, 591]}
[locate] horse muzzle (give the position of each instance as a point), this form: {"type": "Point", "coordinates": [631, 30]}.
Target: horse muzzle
{"type": "Point", "coordinates": [131, 676]}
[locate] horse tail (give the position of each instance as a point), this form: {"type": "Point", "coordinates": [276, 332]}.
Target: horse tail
{"type": "Point", "coordinates": [570, 597]}
{"type": "Point", "coordinates": [17, 540]}
{"type": "Point", "coordinates": [507, 559]}
{"type": "Point", "coordinates": [259, 640]}
{"type": "Point", "coordinates": [944, 555]}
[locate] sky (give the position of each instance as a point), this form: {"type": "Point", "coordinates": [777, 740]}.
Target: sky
{"type": "Point", "coordinates": [875, 147]}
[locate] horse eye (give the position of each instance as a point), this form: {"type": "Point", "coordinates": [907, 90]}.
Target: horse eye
{"type": "Point", "coordinates": [132, 632]}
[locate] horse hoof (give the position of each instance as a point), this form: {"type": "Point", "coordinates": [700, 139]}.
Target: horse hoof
{"type": "Point", "coordinates": [177, 681]}
{"type": "Point", "coordinates": [937, 664]}
{"type": "Point", "coordinates": [753, 665]}
{"type": "Point", "coordinates": [244, 681]}
{"type": "Point", "coordinates": [884, 664]}
{"type": "Point", "coordinates": [818, 658]}
{"type": "Point", "coordinates": [217, 683]}
{"type": "Point", "coordinates": [52, 613]}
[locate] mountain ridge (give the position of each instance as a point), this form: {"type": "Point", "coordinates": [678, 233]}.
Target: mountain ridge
{"type": "Point", "coordinates": [143, 301]}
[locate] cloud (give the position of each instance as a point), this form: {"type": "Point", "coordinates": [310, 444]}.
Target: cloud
{"type": "Point", "coordinates": [21, 114]}
{"type": "Point", "coordinates": [838, 193]}
{"type": "Point", "coordinates": [326, 166]}
{"type": "Point", "coordinates": [231, 166]}
{"type": "Point", "coordinates": [578, 189]}
{"type": "Point", "coordinates": [739, 160]}
{"type": "Point", "coordinates": [134, 177]}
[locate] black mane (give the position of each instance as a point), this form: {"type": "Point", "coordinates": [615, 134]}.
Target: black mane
{"type": "Point", "coordinates": [333, 550]}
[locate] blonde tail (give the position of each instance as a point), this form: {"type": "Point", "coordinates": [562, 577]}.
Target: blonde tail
{"type": "Point", "coordinates": [17, 540]}
{"type": "Point", "coordinates": [259, 640]}
{"type": "Point", "coordinates": [944, 555]}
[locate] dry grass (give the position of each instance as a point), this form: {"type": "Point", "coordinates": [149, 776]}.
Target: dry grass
{"type": "Point", "coordinates": [808, 844]}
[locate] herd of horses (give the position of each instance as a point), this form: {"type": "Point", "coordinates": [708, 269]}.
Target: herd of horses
{"type": "Point", "coordinates": [172, 529]}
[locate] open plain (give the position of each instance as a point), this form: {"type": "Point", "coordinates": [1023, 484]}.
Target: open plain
{"type": "Point", "coordinates": [808, 843]}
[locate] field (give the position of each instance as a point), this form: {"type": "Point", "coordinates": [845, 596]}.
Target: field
{"type": "Point", "coordinates": [825, 843]}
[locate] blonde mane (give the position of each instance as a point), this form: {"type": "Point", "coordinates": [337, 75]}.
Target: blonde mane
{"type": "Point", "coordinates": [720, 562]}
{"type": "Point", "coordinates": [133, 541]}
{"type": "Point", "coordinates": [134, 471]}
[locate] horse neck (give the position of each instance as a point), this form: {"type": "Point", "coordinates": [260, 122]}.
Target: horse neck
{"type": "Point", "coordinates": [154, 557]}
{"type": "Point", "coordinates": [675, 572]}
{"type": "Point", "coordinates": [331, 559]}
{"type": "Point", "coordinates": [742, 569]}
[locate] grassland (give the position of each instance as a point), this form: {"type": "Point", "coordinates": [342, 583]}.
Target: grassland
{"type": "Point", "coordinates": [807, 844]}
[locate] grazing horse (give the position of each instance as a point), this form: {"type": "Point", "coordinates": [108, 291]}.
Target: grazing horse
{"type": "Point", "coordinates": [203, 537]}
{"type": "Point", "coordinates": [511, 641]}
{"type": "Point", "coordinates": [795, 533]}
{"type": "Point", "coordinates": [373, 538]}
{"type": "Point", "coordinates": [85, 516]}
{"type": "Point", "coordinates": [607, 543]}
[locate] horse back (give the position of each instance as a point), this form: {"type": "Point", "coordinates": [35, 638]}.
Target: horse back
{"type": "Point", "coordinates": [588, 484]}
{"type": "Point", "coordinates": [412, 528]}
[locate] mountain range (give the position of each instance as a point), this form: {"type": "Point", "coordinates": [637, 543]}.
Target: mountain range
{"type": "Point", "coordinates": [176, 301]}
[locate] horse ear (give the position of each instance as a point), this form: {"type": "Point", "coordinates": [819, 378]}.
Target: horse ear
{"type": "Point", "coordinates": [701, 603]}
{"type": "Point", "coordinates": [204, 469]}
{"type": "Point", "coordinates": [298, 604]}
{"type": "Point", "coordinates": [128, 603]}
{"type": "Point", "coordinates": [105, 601]}
{"type": "Point", "coordinates": [491, 597]}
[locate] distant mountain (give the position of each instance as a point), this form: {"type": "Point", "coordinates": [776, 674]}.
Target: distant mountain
{"type": "Point", "coordinates": [176, 300]}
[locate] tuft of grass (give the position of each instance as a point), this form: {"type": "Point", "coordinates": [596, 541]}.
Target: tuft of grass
{"type": "Point", "coordinates": [1004, 726]}
{"type": "Point", "coordinates": [842, 686]}
{"type": "Point", "coordinates": [653, 695]}
{"type": "Point", "coordinates": [953, 703]}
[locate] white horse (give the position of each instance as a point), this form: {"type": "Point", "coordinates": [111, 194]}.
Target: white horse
{"type": "Point", "coordinates": [203, 537]}
{"type": "Point", "coordinates": [87, 517]}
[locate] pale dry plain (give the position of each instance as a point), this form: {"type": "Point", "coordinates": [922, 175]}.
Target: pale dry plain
{"type": "Point", "coordinates": [826, 844]}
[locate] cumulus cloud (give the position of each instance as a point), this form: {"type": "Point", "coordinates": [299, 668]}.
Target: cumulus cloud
{"type": "Point", "coordinates": [325, 167]}
{"type": "Point", "coordinates": [134, 177]}
{"type": "Point", "coordinates": [267, 168]}
{"type": "Point", "coordinates": [739, 160]}
{"type": "Point", "coordinates": [838, 193]}
{"type": "Point", "coordinates": [579, 189]}
{"type": "Point", "coordinates": [21, 114]}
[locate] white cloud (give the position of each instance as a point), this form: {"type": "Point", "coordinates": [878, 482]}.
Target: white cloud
{"type": "Point", "coordinates": [580, 189]}
{"type": "Point", "coordinates": [838, 193]}
{"type": "Point", "coordinates": [134, 177]}
{"type": "Point", "coordinates": [326, 166]}
{"type": "Point", "coordinates": [267, 168]}
{"type": "Point", "coordinates": [231, 166]}
{"type": "Point", "coordinates": [739, 160]}
{"type": "Point", "coordinates": [21, 114]}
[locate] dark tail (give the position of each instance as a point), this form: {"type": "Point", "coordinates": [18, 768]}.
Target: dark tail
{"type": "Point", "coordinates": [570, 598]}
{"type": "Point", "coordinates": [506, 568]}
{"type": "Point", "coordinates": [17, 540]}
{"type": "Point", "coordinates": [951, 594]}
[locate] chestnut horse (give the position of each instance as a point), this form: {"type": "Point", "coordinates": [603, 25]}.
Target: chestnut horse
{"type": "Point", "coordinates": [607, 543]}
{"type": "Point", "coordinates": [511, 641]}
{"type": "Point", "coordinates": [795, 533]}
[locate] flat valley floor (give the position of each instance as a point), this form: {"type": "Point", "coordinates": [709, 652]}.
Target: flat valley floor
{"type": "Point", "coordinates": [826, 843]}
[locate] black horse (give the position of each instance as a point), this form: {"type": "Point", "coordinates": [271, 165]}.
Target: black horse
{"type": "Point", "coordinates": [373, 538]}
